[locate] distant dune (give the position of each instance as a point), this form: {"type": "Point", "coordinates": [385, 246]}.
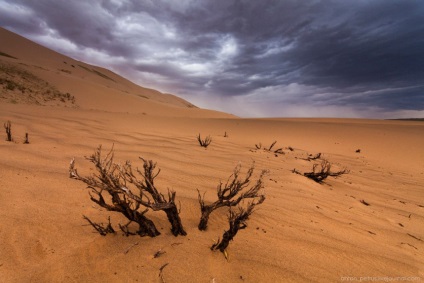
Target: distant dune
{"type": "Point", "coordinates": [367, 224]}
{"type": "Point", "coordinates": [33, 74]}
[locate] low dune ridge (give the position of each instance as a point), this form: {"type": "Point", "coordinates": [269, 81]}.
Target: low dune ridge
{"type": "Point", "coordinates": [35, 73]}
{"type": "Point", "coordinates": [366, 223]}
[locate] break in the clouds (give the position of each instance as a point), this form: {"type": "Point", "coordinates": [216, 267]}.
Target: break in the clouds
{"type": "Point", "coordinates": [353, 58]}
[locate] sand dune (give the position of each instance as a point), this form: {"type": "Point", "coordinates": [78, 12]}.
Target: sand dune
{"type": "Point", "coordinates": [303, 232]}
{"type": "Point", "coordinates": [93, 87]}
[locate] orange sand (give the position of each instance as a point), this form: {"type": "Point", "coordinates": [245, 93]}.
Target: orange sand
{"type": "Point", "coordinates": [303, 232]}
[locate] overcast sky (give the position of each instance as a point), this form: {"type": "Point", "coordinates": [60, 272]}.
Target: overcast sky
{"type": "Point", "coordinates": [287, 58]}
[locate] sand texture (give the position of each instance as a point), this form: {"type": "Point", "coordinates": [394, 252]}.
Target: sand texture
{"type": "Point", "coordinates": [303, 232]}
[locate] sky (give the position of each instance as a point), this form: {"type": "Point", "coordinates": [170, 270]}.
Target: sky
{"type": "Point", "coordinates": [287, 58]}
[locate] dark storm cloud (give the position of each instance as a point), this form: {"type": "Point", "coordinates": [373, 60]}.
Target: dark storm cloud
{"type": "Point", "coordinates": [324, 53]}
{"type": "Point", "coordinates": [365, 52]}
{"type": "Point", "coordinates": [83, 23]}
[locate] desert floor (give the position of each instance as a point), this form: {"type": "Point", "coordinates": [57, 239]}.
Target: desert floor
{"type": "Point", "coordinates": [303, 232]}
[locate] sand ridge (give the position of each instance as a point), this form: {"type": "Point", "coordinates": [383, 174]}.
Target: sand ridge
{"type": "Point", "coordinates": [92, 87]}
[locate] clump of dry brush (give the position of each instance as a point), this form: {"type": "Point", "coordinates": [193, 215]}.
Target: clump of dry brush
{"type": "Point", "coordinates": [321, 171]}
{"type": "Point", "coordinates": [232, 193]}
{"type": "Point", "coordinates": [237, 220]}
{"type": "Point", "coordinates": [270, 148]}
{"type": "Point", "coordinates": [132, 192]}
{"type": "Point", "coordinates": [117, 187]}
{"type": "Point", "coordinates": [8, 127]}
{"type": "Point", "coordinates": [204, 142]}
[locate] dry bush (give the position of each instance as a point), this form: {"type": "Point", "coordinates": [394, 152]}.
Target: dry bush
{"type": "Point", "coordinates": [8, 128]}
{"type": "Point", "coordinates": [231, 194]}
{"type": "Point", "coordinates": [148, 190]}
{"type": "Point", "coordinates": [270, 148]}
{"type": "Point", "coordinates": [237, 220]}
{"type": "Point", "coordinates": [204, 143]}
{"type": "Point", "coordinates": [319, 175]}
{"type": "Point", "coordinates": [117, 182]}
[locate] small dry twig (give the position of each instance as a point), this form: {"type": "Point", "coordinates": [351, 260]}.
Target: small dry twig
{"type": "Point", "coordinates": [8, 128]}
{"type": "Point", "coordinates": [26, 139]}
{"type": "Point", "coordinates": [161, 272]}
{"type": "Point", "coordinates": [158, 253]}
{"type": "Point", "coordinates": [103, 230]}
{"type": "Point", "coordinates": [272, 145]}
{"type": "Point", "coordinates": [364, 202]}
{"type": "Point", "coordinates": [130, 247]}
{"type": "Point", "coordinates": [412, 246]}
{"type": "Point", "coordinates": [416, 238]}
{"type": "Point", "coordinates": [269, 149]}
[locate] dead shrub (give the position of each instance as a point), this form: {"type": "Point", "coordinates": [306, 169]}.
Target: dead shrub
{"type": "Point", "coordinates": [237, 221]}
{"type": "Point", "coordinates": [320, 174]}
{"type": "Point", "coordinates": [231, 194]}
{"type": "Point", "coordinates": [270, 148]}
{"type": "Point", "coordinates": [204, 142]}
{"type": "Point", "coordinates": [118, 183]}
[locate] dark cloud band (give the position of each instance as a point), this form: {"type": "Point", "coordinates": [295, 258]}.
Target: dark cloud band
{"type": "Point", "coordinates": [326, 53]}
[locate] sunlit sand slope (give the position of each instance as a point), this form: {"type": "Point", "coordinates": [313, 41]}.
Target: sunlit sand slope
{"type": "Point", "coordinates": [304, 231]}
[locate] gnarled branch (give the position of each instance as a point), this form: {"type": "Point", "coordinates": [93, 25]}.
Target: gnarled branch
{"type": "Point", "coordinates": [231, 194]}
{"type": "Point", "coordinates": [100, 228]}
{"type": "Point", "coordinates": [109, 180]}
{"type": "Point", "coordinates": [237, 220]}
